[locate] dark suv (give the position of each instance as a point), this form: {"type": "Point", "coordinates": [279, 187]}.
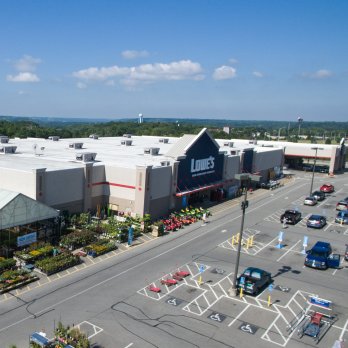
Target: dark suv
{"type": "Point", "coordinates": [318, 195]}
{"type": "Point", "coordinates": [291, 217]}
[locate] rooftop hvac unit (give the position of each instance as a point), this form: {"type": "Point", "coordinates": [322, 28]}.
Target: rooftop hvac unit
{"type": "Point", "coordinates": [75, 145]}
{"type": "Point", "coordinates": [165, 163]}
{"type": "Point", "coordinates": [86, 156]}
{"type": "Point", "coordinates": [235, 152]}
{"type": "Point", "coordinates": [126, 142]}
{"type": "Point", "coordinates": [127, 135]}
{"type": "Point", "coordinates": [228, 143]}
{"type": "Point", "coordinates": [4, 139]}
{"type": "Point", "coordinates": [253, 141]}
{"type": "Point", "coordinates": [8, 149]}
{"type": "Point", "coordinates": [53, 137]}
{"type": "Point", "coordinates": [94, 136]}
{"type": "Point", "coordinates": [164, 140]}
{"type": "Point", "coordinates": [151, 151]}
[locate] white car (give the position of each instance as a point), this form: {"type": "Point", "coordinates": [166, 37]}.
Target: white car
{"type": "Point", "coordinates": [310, 201]}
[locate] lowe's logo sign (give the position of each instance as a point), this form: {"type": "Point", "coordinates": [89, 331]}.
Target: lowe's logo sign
{"type": "Point", "coordinates": [202, 166]}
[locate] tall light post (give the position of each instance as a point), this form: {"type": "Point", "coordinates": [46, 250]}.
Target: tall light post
{"type": "Point", "coordinates": [244, 204]}
{"type": "Point", "coordinates": [299, 120]}
{"type": "Point", "coordinates": [315, 161]}
{"type": "Point", "coordinates": [279, 131]}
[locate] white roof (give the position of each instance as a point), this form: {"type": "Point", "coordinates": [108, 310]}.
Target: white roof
{"type": "Point", "coordinates": [34, 153]}
{"type": "Point", "coordinates": [17, 209]}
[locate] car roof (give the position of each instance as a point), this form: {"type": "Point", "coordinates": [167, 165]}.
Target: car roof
{"type": "Point", "coordinates": [310, 197]}
{"type": "Point", "coordinates": [291, 211]}
{"type": "Point", "coordinates": [321, 245]}
{"type": "Point", "coordinates": [316, 216]}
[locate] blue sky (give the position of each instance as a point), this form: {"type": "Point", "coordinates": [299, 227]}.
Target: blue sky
{"type": "Point", "coordinates": [226, 59]}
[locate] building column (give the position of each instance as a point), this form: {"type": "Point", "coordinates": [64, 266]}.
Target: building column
{"type": "Point", "coordinates": [172, 201]}
{"type": "Point", "coordinates": [142, 190]}
{"type": "Point", "coordinates": [39, 184]}
{"type": "Point", "coordinates": [87, 186]}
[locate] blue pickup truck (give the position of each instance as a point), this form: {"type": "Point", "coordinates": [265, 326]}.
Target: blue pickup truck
{"type": "Point", "coordinates": [321, 257]}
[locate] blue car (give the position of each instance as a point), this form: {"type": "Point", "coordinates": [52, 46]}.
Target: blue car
{"type": "Point", "coordinates": [342, 217]}
{"type": "Point", "coordinates": [316, 221]}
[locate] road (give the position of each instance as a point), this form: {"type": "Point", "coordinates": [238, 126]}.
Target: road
{"type": "Point", "coordinates": [112, 301]}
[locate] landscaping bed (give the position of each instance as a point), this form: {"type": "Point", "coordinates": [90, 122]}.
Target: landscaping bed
{"type": "Point", "coordinates": [35, 252]}
{"type": "Point", "coordinates": [100, 247]}
{"type": "Point", "coordinates": [13, 279]}
{"type": "Point", "coordinates": [61, 262]}
{"type": "Point", "coordinates": [6, 264]}
{"type": "Point", "coordinates": [78, 239]}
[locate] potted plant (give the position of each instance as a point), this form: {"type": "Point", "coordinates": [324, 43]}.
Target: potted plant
{"type": "Point", "coordinates": [158, 228]}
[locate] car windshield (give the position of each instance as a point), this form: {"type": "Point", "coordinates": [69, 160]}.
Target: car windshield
{"type": "Point", "coordinates": [290, 212]}
{"type": "Point", "coordinates": [316, 253]}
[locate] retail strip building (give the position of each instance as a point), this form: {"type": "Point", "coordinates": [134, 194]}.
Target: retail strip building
{"type": "Point", "coordinates": [136, 174]}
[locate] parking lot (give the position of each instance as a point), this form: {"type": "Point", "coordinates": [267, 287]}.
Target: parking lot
{"type": "Point", "coordinates": [272, 317]}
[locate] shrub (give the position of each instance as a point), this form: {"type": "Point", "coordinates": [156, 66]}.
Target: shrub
{"type": "Point", "coordinates": [7, 264]}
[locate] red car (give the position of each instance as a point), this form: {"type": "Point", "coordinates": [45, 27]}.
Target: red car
{"type": "Point", "coordinates": [327, 188]}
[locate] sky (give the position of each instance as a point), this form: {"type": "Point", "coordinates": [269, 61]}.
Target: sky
{"type": "Point", "coordinates": [223, 59]}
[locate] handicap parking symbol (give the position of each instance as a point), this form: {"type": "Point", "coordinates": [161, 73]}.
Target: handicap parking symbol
{"type": "Point", "coordinates": [174, 301]}
{"type": "Point", "coordinates": [217, 317]}
{"type": "Point", "coordinates": [248, 328]}
{"type": "Point", "coordinates": [218, 271]}
{"type": "Point", "coordinates": [282, 288]}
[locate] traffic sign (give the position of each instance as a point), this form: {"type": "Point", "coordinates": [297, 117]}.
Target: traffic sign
{"type": "Point", "coordinates": [201, 268]}
{"type": "Point", "coordinates": [270, 287]}
{"type": "Point", "coordinates": [242, 280]}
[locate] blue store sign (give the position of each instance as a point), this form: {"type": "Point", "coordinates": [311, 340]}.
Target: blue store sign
{"type": "Point", "coordinates": [202, 166]}
{"type": "Point", "coordinates": [27, 239]}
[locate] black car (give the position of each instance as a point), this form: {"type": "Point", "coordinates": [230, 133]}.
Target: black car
{"type": "Point", "coordinates": [318, 195]}
{"type": "Point", "coordinates": [291, 217]}
{"type": "Point", "coordinates": [252, 280]}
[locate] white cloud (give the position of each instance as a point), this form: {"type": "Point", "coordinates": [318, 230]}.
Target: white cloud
{"type": "Point", "coordinates": [319, 74]}
{"type": "Point", "coordinates": [131, 54]}
{"type": "Point", "coordinates": [233, 61]}
{"type": "Point", "coordinates": [258, 74]}
{"type": "Point", "coordinates": [27, 63]}
{"type": "Point", "coordinates": [181, 70]}
{"type": "Point", "coordinates": [224, 73]}
{"type": "Point", "coordinates": [23, 77]}
{"type": "Point", "coordinates": [81, 85]}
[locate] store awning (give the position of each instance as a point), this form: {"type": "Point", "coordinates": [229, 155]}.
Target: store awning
{"type": "Point", "coordinates": [198, 189]}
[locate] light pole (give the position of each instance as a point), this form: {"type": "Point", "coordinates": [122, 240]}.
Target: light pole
{"type": "Point", "coordinates": [315, 160]}
{"type": "Point", "coordinates": [279, 131]}
{"type": "Point", "coordinates": [248, 178]}
{"type": "Point", "coordinates": [299, 120]}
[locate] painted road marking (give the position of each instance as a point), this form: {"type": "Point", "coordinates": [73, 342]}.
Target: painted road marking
{"type": "Point", "coordinates": [239, 315]}
{"type": "Point", "coordinates": [288, 250]}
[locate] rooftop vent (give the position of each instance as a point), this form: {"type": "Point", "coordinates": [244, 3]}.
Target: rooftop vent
{"type": "Point", "coordinates": [54, 137]}
{"type": "Point", "coordinates": [265, 145]}
{"type": "Point", "coordinates": [253, 141]}
{"type": "Point", "coordinates": [228, 143]}
{"type": "Point", "coordinates": [234, 152]}
{"type": "Point", "coordinates": [94, 136]}
{"type": "Point", "coordinates": [127, 135]}
{"type": "Point", "coordinates": [151, 151]}
{"type": "Point", "coordinates": [8, 149]}
{"type": "Point", "coordinates": [86, 156]}
{"type": "Point", "coordinates": [4, 139]}
{"type": "Point", "coordinates": [126, 142]}
{"type": "Point", "coordinates": [164, 140]}
{"type": "Point", "coordinates": [165, 163]}
{"type": "Point", "coordinates": [75, 145]}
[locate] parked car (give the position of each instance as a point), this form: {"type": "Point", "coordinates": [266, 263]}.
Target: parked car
{"type": "Point", "coordinates": [270, 185]}
{"type": "Point", "coordinates": [321, 256]}
{"type": "Point", "coordinates": [316, 221]}
{"type": "Point", "coordinates": [252, 280]}
{"type": "Point", "coordinates": [342, 217]}
{"type": "Point", "coordinates": [291, 216]}
{"type": "Point", "coordinates": [327, 188]}
{"type": "Point", "coordinates": [319, 195]}
{"type": "Point", "coordinates": [310, 201]}
{"type": "Point", "coordinates": [342, 205]}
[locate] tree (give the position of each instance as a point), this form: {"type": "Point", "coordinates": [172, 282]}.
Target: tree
{"type": "Point", "coordinates": [328, 141]}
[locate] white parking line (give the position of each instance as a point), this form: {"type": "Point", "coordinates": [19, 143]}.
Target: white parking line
{"type": "Point", "coordinates": [289, 250]}
{"type": "Point", "coordinates": [343, 330]}
{"type": "Point", "coordinates": [238, 316]}
{"type": "Point", "coordinates": [129, 345]}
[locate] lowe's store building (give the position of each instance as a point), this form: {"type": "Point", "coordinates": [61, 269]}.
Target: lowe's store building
{"type": "Point", "coordinates": [135, 174]}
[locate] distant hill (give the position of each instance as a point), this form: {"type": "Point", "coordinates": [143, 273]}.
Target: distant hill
{"type": "Point", "coordinates": [64, 121]}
